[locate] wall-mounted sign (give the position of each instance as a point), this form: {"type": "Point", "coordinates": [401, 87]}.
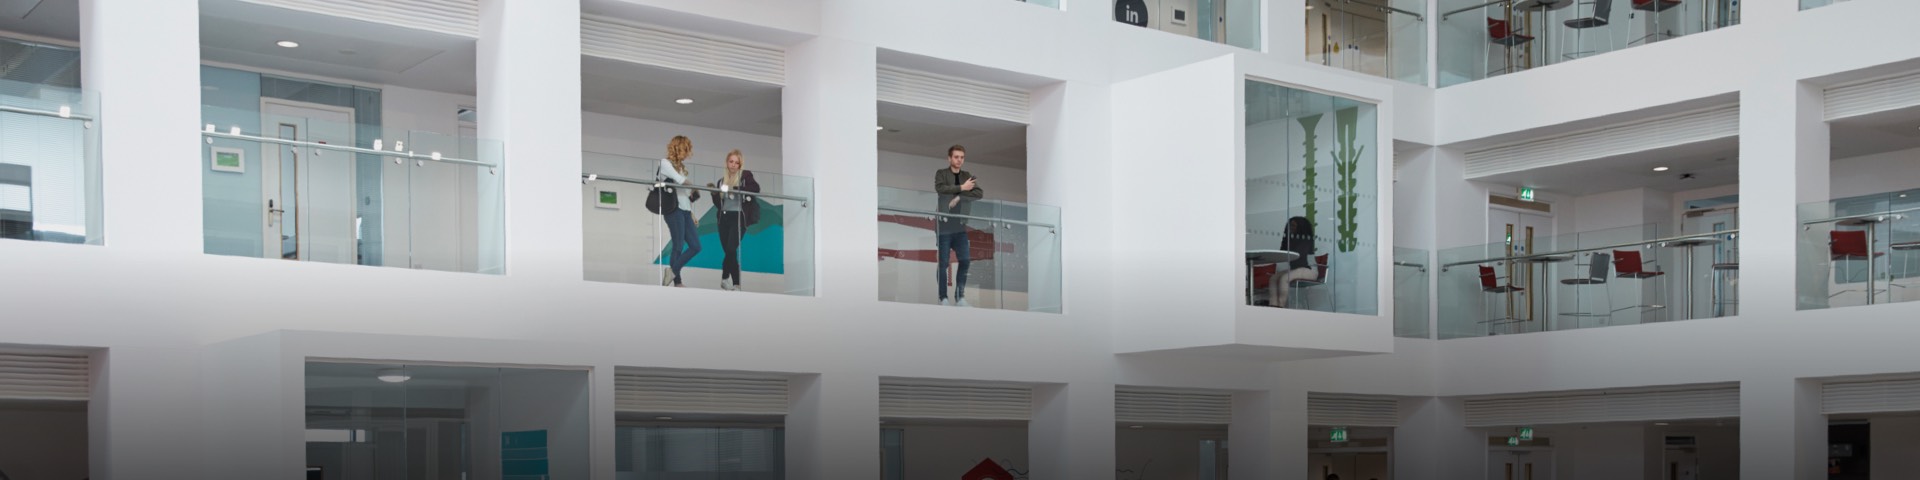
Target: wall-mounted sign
{"type": "Point", "coordinates": [1131, 12]}
{"type": "Point", "coordinates": [1513, 441]}
{"type": "Point", "coordinates": [523, 455]}
{"type": "Point", "coordinates": [1339, 435]}
{"type": "Point", "coordinates": [225, 159]}
{"type": "Point", "coordinates": [1526, 433]}
{"type": "Point", "coordinates": [609, 199]}
{"type": "Point", "coordinates": [1526, 194]}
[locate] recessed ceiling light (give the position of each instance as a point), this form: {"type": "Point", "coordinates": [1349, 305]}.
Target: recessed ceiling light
{"type": "Point", "coordinates": [1661, 169]}
{"type": "Point", "coordinates": [1136, 427]}
{"type": "Point", "coordinates": [663, 418]}
{"type": "Point", "coordinates": [394, 375]}
{"type": "Point", "coordinates": [288, 44]}
{"type": "Point", "coordinates": [1660, 424]}
{"type": "Point", "coordinates": [879, 128]}
{"type": "Point", "coordinates": [1309, 7]}
{"type": "Point", "coordinates": [684, 101]}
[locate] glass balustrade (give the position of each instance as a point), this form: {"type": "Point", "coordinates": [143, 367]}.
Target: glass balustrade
{"type": "Point", "coordinates": [1621, 276]}
{"type": "Point", "coordinates": [1383, 38]}
{"type": "Point", "coordinates": [305, 182]}
{"type": "Point", "coordinates": [1480, 39]}
{"type": "Point", "coordinates": [1044, 3]}
{"type": "Point", "coordinates": [1232, 22]}
{"type": "Point", "coordinates": [49, 164]}
{"type": "Point", "coordinates": [998, 254]}
{"type": "Point", "coordinates": [752, 234]}
{"type": "Point", "coordinates": [1859, 251]}
{"type": "Point", "coordinates": [1411, 274]}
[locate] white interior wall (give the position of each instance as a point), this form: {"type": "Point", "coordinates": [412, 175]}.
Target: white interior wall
{"type": "Point", "coordinates": [914, 171]}
{"type": "Point", "coordinates": [43, 441]}
{"type": "Point", "coordinates": [1877, 173]}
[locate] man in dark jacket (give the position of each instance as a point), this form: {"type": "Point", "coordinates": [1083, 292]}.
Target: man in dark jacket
{"type": "Point", "coordinates": [958, 190]}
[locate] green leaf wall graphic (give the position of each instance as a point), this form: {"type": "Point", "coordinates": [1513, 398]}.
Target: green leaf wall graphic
{"type": "Point", "coordinates": [1346, 163]}
{"type": "Point", "coordinates": [1309, 174]}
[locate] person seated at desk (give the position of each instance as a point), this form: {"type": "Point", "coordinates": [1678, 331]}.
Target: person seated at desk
{"type": "Point", "coordinates": [1297, 238]}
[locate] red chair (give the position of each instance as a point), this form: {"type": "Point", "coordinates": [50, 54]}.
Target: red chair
{"type": "Point", "coordinates": [1628, 265]}
{"type": "Point", "coordinates": [1501, 33]}
{"type": "Point", "coordinates": [1319, 278]}
{"type": "Point", "coordinates": [1263, 275]}
{"type": "Point", "coordinates": [1850, 245]}
{"type": "Point", "coordinates": [1490, 283]}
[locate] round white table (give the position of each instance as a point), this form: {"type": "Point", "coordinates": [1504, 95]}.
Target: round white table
{"type": "Point", "coordinates": [1261, 257]}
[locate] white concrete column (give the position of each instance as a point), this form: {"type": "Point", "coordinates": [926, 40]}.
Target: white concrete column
{"type": "Point", "coordinates": [1783, 436]}
{"type": "Point", "coordinates": [1286, 29]}
{"type": "Point", "coordinates": [143, 57]}
{"type": "Point", "coordinates": [529, 99]}
{"type": "Point", "coordinates": [1784, 162]}
{"type": "Point", "coordinates": [833, 427]}
{"type": "Point", "coordinates": [252, 396]}
{"type": "Point", "coordinates": [1072, 432]}
{"type": "Point", "coordinates": [1069, 138]}
{"type": "Point", "coordinates": [1434, 443]}
{"type": "Point", "coordinates": [829, 109]}
{"type": "Point", "coordinates": [604, 422]}
{"type": "Point", "coordinates": [144, 420]}
{"type": "Point", "coordinates": [1268, 437]}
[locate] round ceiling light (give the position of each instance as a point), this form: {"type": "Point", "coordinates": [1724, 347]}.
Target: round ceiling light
{"type": "Point", "coordinates": [1661, 169]}
{"type": "Point", "coordinates": [394, 375]}
{"type": "Point", "coordinates": [287, 44]}
{"type": "Point", "coordinates": [684, 101]}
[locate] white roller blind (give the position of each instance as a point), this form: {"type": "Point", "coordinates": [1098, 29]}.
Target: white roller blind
{"type": "Point", "coordinates": [617, 39]}
{"type": "Point", "coordinates": [1167, 406]}
{"type": "Point", "coordinates": [30, 374]}
{"type": "Point", "coordinates": [453, 17]}
{"type": "Point", "coordinates": [956, 402]}
{"type": "Point", "coordinates": [1873, 96]}
{"type": "Point", "coordinates": [926, 90]}
{"type": "Point", "coordinates": [1681, 129]}
{"type": "Point", "coordinates": [1352, 410]}
{"type": "Point", "coordinates": [659, 393]}
{"type": "Point", "coordinates": [1633, 405]}
{"type": "Point", "coordinates": [1871, 396]}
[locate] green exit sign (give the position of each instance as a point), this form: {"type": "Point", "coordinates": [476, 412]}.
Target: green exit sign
{"type": "Point", "coordinates": [1339, 435]}
{"type": "Point", "coordinates": [1526, 194]}
{"type": "Point", "coordinates": [1513, 441]}
{"type": "Point", "coordinates": [1526, 433]}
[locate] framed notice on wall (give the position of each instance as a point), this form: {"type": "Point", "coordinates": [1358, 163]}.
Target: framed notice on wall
{"type": "Point", "coordinates": [608, 199]}
{"type": "Point", "coordinates": [228, 160]}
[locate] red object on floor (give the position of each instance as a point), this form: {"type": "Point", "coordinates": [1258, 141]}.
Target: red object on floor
{"type": "Point", "coordinates": [987, 470]}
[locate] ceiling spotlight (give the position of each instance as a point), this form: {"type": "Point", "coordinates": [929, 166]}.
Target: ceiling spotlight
{"type": "Point", "coordinates": [1661, 424]}
{"type": "Point", "coordinates": [663, 419]}
{"type": "Point", "coordinates": [394, 375]}
{"type": "Point", "coordinates": [879, 128]}
{"type": "Point", "coordinates": [684, 101]}
{"type": "Point", "coordinates": [1661, 169]}
{"type": "Point", "coordinates": [1136, 427]}
{"type": "Point", "coordinates": [287, 44]}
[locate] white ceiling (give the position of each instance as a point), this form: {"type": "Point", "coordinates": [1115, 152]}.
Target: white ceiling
{"type": "Point", "coordinates": [241, 33]}
{"type": "Point", "coordinates": [640, 91]}
{"type": "Point", "coordinates": [928, 133]}
{"type": "Point", "coordinates": [1712, 163]}
{"type": "Point", "coordinates": [56, 19]}
{"type": "Point", "coordinates": [1876, 133]}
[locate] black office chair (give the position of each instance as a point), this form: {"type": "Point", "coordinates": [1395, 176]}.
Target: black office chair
{"type": "Point", "coordinates": [1602, 15]}
{"type": "Point", "coordinates": [1597, 265]}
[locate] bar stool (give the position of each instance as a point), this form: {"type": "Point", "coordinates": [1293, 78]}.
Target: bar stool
{"type": "Point", "coordinates": [1299, 285]}
{"type": "Point", "coordinates": [1852, 245]}
{"type": "Point", "coordinates": [1501, 32]}
{"type": "Point", "coordinates": [1596, 275]}
{"type": "Point", "coordinates": [1653, 7]}
{"type": "Point", "coordinates": [1602, 15]}
{"type": "Point", "coordinates": [1627, 264]}
{"type": "Point", "coordinates": [1490, 283]}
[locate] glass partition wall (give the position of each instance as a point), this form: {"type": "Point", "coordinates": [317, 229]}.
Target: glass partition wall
{"type": "Point", "coordinates": [1312, 209]}
{"type": "Point", "coordinates": [1011, 251]}
{"type": "Point", "coordinates": [1232, 22]}
{"type": "Point", "coordinates": [306, 181]}
{"type": "Point", "coordinates": [1811, 4]}
{"type": "Point", "coordinates": [1384, 38]}
{"type": "Point", "coordinates": [1411, 276]}
{"type": "Point", "coordinates": [1859, 250]}
{"type": "Point", "coordinates": [49, 148]}
{"type": "Point", "coordinates": [754, 234]}
{"type": "Point", "coordinates": [1481, 39]}
{"type": "Point", "coordinates": [1621, 276]}
{"type": "Point", "coordinates": [665, 450]}
{"type": "Point", "coordinates": [422, 421]}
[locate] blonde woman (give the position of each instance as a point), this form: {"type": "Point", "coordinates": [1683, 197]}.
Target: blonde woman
{"type": "Point", "coordinates": [683, 240]}
{"type": "Point", "coordinates": [737, 212]}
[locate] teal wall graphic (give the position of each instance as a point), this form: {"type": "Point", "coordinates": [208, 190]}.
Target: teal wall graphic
{"type": "Point", "coordinates": [523, 455]}
{"type": "Point", "coordinates": [763, 248]}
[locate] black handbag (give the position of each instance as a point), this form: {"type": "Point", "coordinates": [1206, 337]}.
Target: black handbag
{"type": "Point", "coordinates": [657, 196]}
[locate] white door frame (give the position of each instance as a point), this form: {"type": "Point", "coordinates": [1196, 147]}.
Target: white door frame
{"type": "Point", "coordinates": [270, 176]}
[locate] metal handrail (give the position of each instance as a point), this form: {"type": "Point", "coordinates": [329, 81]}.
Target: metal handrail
{"type": "Point", "coordinates": [343, 148]}
{"type": "Point", "coordinates": [1592, 249]}
{"type": "Point", "coordinates": [1444, 16]}
{"type": "Point", "coordinates": [44, 113]}
{"type": "Point", "coordinates": [1416, 16]}
{"type": "Point", "coordinates": [1049, 226]}
{"type": "Point", "coordinates": [592, 177]}
{"type": "Point", "coordinates": [1860, 216]}
{"type": "Point", "coordinates": [1421, 266]}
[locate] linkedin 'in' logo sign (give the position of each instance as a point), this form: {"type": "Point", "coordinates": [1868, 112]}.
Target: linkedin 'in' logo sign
{"type": "Point", "coordinates": [1131, 12]}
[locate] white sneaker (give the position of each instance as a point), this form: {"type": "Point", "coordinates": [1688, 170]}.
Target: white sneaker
{"type": "Point", "coordinates": [960, 302]}
{"type": "Point", "coordinates": [945, 302]}
{"type": "Point", "coordinates": [666, 278]}
{"type": "Point", "coordinates": [729, 286]}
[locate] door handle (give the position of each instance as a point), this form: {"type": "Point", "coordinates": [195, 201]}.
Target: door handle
{"type": "Point", "coordinates": [274, 214]}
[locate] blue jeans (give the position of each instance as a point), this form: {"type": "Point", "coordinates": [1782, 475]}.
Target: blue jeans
{"type": "Point", "coordinates": [683, 242]}
{"type": "Point", "coordinates": [958, 242]}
